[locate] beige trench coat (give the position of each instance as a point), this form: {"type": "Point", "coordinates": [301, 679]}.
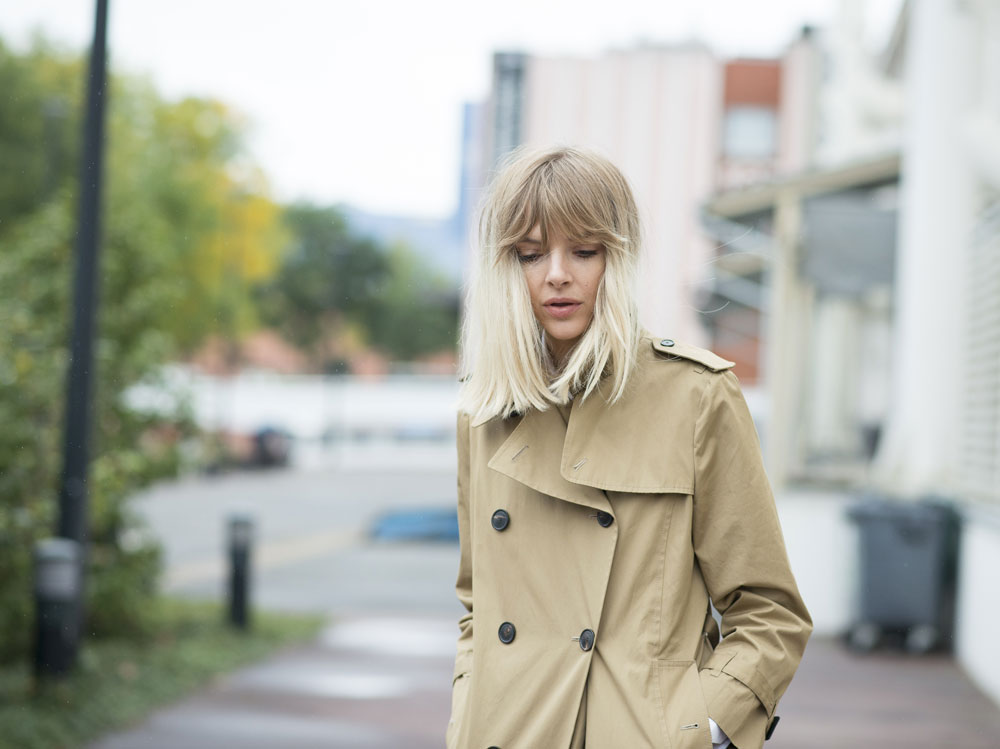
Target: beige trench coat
{"type": "Point", "coordinates": [588, 597]}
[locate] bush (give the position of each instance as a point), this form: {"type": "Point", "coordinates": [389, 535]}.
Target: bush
{"type": "Point", "coordinates": [181, 243]}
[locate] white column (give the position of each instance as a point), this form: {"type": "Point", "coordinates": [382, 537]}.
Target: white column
{"type": "Point", "coordinates": [786, 347]}
{"type": "Point", "coordinates": [918, 453]}
{"type": "Point", "coordinates": [832, 419]}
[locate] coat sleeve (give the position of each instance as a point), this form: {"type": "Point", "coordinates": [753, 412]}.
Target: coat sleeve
{"type": "Point", "coordinates": [741, 553]}
{"type": "Point", "coordinates": [463, 586]}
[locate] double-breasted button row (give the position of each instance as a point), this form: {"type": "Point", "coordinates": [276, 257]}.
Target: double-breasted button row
{"type": "Point", "coordinates": [508, 632]}
{"type": "Point", "coordinates": [500, 520]}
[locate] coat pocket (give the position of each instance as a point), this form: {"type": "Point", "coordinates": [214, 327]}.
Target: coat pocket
{"type": "Point", "coordinates": [683, 713]}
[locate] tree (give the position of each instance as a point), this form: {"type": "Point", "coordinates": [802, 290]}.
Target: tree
{"type": "Point", "coordinates": [333, 283]}
{"type": "Point", "coordinates": [417, 312]}
{"type": "Point", "coordinates": [184, 240]}
{"type": "Point", "coordinates": [329, 281]}
{"type": "Point", "coordinates": [39, 123]}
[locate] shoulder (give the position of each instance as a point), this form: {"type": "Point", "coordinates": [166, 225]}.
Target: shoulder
{"type": "Point", "coordinates": [672, 378]}
{"type": "Point", "coordinates": [671, 350]}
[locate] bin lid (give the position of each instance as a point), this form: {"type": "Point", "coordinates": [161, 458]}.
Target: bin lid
{"type": "Point", "coordinates": [900, 511]}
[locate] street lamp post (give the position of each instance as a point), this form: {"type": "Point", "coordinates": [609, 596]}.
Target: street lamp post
{"type": "Point", "coordinates": [72, 523]}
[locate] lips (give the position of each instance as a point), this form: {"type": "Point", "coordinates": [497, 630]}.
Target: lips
{"type": "Point", "coordinates": [562, 307]}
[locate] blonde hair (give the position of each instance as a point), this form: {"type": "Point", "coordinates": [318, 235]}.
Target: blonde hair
{"type": "Point", "coordinates": [506, 365]}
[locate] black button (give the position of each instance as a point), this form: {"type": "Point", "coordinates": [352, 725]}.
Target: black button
{"type": "Point", "coordinates": [586, 639]}
{"type": "Point", "coordinates": [668, 342]}
{"type": "Point", "coordinates": [770, 728]}
{"type": "Point", "coordinates": [506, 633]}
{"type": "Point", "coordinates": [500, 520]}
{"type": "Point", "coordinates": [605, 519]}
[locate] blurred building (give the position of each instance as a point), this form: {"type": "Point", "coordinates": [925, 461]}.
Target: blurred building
{"type": "Point", "coordinates": [879, 287]}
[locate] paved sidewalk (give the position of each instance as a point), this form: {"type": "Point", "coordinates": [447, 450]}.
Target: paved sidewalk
{"type": "Point", "coordinates": [366, 683]}
{"type": "Point", "coordinates": [882, 700]}
{"type": "Point", "coordinates": [384, 683]}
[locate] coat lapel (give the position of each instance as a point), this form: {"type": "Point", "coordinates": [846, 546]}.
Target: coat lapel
{"type": "Point", "coordinates": [640, 445]}
{"type": "Point", "coordinates": [533, 454]}
{"type": "Point", "coordinates": [629, 447]}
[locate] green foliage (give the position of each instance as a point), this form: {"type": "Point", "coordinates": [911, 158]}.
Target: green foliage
{"type": "Point", "coordinates": [183, 240]}
{"type": "Point", "coordinates": [185, 216]}
{"type": "Point", "coordinates": [417, 311]}
{"type": "Point", "coordinates": [38, 125]}
{"type": "Point", "coordinates": [32, 317]}
{"type": "Point", "coordinates": [120, 680]}
{"type": "Point", "coordinates": [328, 279]}
{"type": "Point", "coordinates": [331, 281]}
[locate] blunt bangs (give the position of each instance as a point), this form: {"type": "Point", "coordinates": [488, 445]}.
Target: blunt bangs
{"type": "Point", "coordinates": [559, 195]}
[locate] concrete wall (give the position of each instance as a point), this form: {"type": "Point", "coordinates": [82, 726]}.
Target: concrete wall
{"type": "Point", "coordinates": [976, 646]}
{"type": "Point", "coordinates": [655, 113]}
{"type": "Point", "coordinates": [823, 551]}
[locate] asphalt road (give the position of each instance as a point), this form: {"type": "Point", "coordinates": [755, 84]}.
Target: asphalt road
{"type": "Point", "coordinates": [311, 551]}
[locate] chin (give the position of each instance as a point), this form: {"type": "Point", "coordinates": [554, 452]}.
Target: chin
{"type": "Point", "coordinates": [564, 336]}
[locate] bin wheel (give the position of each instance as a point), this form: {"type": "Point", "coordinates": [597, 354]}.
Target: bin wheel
{"type": "Point", "coordinates": [922, 638]}
{"type": "Point", "coordinates": [864, 636]}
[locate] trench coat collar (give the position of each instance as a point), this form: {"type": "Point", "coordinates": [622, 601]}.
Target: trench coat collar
{"type": "Point", "coordinates": [533, 455]}
{"type": "Point", "coordinates": [599, 449]}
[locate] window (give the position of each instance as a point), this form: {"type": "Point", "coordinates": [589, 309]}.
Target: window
{"type": "Point", "coordinates": [750, 132]}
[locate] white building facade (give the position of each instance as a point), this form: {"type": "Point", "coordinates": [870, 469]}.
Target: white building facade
{"type": "Point", "coordinates": [943, 435]}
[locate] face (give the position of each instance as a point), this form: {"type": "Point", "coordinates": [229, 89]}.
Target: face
{"type": "Point", "coordinates": [563, 278]}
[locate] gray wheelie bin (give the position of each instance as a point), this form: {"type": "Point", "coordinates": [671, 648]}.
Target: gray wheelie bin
{"type": "Point", "coordinates": [907, 574]}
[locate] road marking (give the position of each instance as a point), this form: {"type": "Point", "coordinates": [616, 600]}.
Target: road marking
{"type": "Point", "coordinates": [266, 556]}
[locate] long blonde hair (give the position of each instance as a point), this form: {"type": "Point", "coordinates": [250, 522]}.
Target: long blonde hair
{"type": "Point", "coordinates": [506, 365]}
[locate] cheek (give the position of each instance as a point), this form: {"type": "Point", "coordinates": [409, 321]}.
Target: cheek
{"type": "Point", "coordinates": [535, 284]}
{"type": "Point", "coordinates": [595, 283]}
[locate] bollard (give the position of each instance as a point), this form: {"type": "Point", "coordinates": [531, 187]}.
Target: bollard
{"type": "Point", "coordinates": [240, 543]}
{"type": "Point", "coordinates": [57, 591]}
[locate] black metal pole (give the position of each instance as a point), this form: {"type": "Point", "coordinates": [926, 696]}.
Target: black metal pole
{"type": "Point", "coordinates": [79, 384]}
{"type": "Point", "coordinates": [72, 522]}
{"type": "Point", "coordinates": [57, 579]}
{"type": "Point", "coordinates": [240, 548]}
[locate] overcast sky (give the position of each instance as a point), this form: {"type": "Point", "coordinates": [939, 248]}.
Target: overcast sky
{"type": "Point", "coordinates": [360, 102]}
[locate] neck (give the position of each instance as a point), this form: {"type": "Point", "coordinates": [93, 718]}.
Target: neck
{"type": "Point", "coordinates": [560, 351]}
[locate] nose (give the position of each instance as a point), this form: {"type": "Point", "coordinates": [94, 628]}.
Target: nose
{"type": "Point", "coordinates": [558, 271]}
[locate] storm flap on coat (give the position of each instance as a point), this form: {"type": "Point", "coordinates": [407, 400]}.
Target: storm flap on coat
{"type": "Point", "coordinates": [625, 521]}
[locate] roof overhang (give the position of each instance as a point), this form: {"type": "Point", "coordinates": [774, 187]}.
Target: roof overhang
{"type": "Point", "coordinates": [764, 196]}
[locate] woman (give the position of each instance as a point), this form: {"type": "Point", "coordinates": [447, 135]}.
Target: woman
{"type": "Point", "coordinates": [610, 491]}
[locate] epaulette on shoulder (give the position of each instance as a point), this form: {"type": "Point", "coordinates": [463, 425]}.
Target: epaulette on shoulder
{"type": "Point", "coordinates": [673, 350]}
